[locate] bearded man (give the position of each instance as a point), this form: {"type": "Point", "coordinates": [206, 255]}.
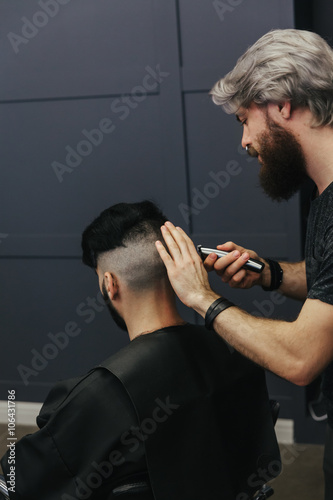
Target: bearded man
{"type": "Point", "coordinates": [281, 91]}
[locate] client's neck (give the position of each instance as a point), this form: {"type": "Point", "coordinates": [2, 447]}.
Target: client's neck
{"type": "Point", "coordinates": [151, 310]}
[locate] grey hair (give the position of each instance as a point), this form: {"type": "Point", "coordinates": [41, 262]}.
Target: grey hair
{"type": "Point", "coordinates": [137, 262]}
{"type": "Point", "coordinates": [283, 65]}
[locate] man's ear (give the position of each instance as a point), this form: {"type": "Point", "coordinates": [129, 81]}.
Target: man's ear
{"type": "Point", "coordinates": [111, 285]}
{"type": "Point", "coordinates": [281, 111]}
{"type": "Point", "coordinates": [285, 109]}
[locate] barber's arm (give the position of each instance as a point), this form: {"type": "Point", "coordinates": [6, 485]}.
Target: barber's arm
{"type": "Point", "coordinates": [297, 351]}
{"type": "Point", "coordinates": [231, 270]}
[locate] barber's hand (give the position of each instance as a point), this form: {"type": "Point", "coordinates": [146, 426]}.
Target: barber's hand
{"type": "Point", "coordinates": [230, 267]}
{"type": "Point", "coordinates": [185, 268]}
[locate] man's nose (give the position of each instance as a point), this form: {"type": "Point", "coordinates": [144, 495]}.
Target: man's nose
{"type": "Point", "coordinates": [245, 138]}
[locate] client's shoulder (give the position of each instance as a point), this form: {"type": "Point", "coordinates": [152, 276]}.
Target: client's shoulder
{"type": "Point", "coordinates": [183, 346]}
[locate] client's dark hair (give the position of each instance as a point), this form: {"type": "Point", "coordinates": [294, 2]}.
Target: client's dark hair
{"type": "Point", "coordinates": [133, 228]}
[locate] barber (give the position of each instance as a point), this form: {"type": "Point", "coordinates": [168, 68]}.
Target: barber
{"type": "Point", "coordinates": [281, 91]}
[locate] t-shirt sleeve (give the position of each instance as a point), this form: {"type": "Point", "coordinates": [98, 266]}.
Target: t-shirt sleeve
{"type": "Point", "coordinates": [320, 267]}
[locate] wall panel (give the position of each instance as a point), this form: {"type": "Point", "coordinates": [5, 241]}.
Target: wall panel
{"type": "Point", "coordinates": [130, 78]}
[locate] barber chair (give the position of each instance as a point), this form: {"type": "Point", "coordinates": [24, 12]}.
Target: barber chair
{"type": "Point", "coordinates": [263, 494]}
{"type": "Point", "coordinates": [267, 491]}
{"type": "Point", "coordinates": [3, 489]}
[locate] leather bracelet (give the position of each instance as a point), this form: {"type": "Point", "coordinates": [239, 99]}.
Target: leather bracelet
{"type": "Point", "coordinates": [214, 309]}
{"type": "Point", "coordinates": [276, 276]}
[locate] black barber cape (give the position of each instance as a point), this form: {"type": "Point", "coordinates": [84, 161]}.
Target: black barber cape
{"type": "Point", "coordinates": [179, 403]}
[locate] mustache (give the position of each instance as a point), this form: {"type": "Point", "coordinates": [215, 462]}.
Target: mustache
{"type": "Point", "coordinates": [251, 151]}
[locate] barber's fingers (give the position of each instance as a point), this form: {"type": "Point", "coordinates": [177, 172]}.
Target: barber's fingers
{"type": "Point", "coordinates": [237, 280]}
{"type": "Point", "coordinates": [229, 265]}
{"type": "Point", "coordinates": [210, 261]}
{"type": "Point", "coordinates": [168, 261]}
{"type": "Point", "coordinates": [181, 241]}
{"type": "Point", "coordinates": [190, 245]}
{"type": "Point", "coordinates": [170, 241]}
{"type": "Point", "coordinates": [184, 266]}
{"type": "Point", "coordinates": [182, 248]}
{"type": "Point", "coordinates": [229, 246]}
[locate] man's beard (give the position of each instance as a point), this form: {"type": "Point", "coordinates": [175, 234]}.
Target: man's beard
{"type": "Point", "coordinates": [114, 313]}
{"type": "Point", "coordinates": [283, 164]}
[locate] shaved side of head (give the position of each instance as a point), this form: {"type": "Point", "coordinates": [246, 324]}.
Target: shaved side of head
{"type": "Point", "coordinates": [137, 263]}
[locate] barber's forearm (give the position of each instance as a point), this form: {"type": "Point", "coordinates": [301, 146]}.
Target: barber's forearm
{"type": "Point", "coordinates": [265, 341]}
{"type": "Point", "coordinates": [294, 280]}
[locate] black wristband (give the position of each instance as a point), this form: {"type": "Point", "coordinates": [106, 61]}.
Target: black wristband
{"type": "Point", "coordinates": [276, 276]}
{"type": "Point", "coordinates": [214, 309]}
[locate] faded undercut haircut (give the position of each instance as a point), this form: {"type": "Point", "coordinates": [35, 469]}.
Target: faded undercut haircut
{"type": "Point", "coordinates": [122, 240]}
{"type": "Point", "coordinates": [283, 65]}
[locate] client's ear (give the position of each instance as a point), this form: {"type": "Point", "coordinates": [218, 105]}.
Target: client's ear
{"type": "Point", "coordinates": [111, 285]}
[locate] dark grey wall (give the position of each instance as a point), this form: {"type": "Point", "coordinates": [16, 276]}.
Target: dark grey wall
{"type": "Point", "coordinates": [107, 101]}
{"type": "Point", "coordinates": [322, 19]}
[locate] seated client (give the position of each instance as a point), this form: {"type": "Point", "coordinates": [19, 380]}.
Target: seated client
{"type": "Point", "coordinates": [174, 415]}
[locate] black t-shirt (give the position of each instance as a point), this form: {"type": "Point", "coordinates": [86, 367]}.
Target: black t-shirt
{"type": "Point", "coordinates": [319, 267]}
